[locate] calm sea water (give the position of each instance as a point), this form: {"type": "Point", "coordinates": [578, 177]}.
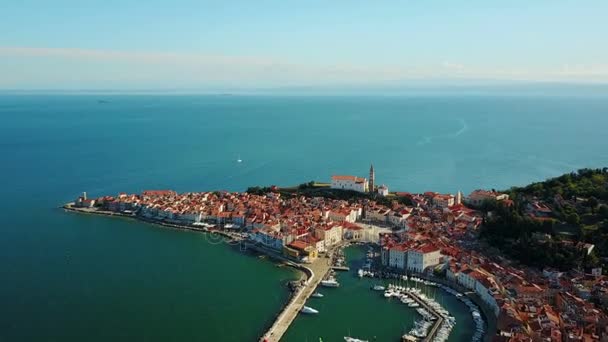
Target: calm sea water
{"type": "Point", "coordinates": [67, 277]}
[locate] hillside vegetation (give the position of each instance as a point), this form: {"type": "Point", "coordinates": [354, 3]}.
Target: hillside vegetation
{"type": "Point", "coordinates": [555, 222]}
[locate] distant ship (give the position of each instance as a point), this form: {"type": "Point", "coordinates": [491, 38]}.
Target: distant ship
{"type": "Point", "coordinates": [102, 101]}
{"type": "Point", "coordinates": [238, 159]}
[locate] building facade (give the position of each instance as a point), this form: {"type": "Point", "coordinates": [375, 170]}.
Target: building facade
{"type": "Point", "coordinates": [349, 183]}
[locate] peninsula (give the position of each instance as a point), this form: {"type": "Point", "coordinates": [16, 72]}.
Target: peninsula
{"type": "Point", "coordinates": [461, 241]}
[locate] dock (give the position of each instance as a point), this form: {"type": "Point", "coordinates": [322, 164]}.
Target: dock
{"type": "Point", "coordinates": [316, 272]}
{"type": "Point", "coordinates": [438, 322]}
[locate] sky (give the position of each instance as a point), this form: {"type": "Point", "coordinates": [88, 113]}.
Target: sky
{"type": "Point", "coordinates": [199, 44]}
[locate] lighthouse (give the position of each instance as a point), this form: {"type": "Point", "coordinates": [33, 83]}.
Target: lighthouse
{"type": "Point", "coordinates": [372, 178]}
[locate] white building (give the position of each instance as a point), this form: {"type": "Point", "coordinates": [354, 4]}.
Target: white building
{"type": "Point", "coordinates": [348, 215]}
{"type": "Point", "coordinates": [484, 285]}
{"type": "Point", "coordinates": [383, 190]}
{"type": "Point", "coordinates": [399, 218]}
{"type": "Point", "coordinates": [478, 197]}
{"type": "Point", "coordinates": [379, 215]}
{"type": "Point", "coordinates": [349, 183]}
{"type": "Point", "coordinates": [421, 258]}
{"type": "Point", "coordinates": [270, 238]}
{"type": "Point", "coordinates": [397, 257]}
{"type": "Point", "coordinates": [332, 234]}
{"type": "Point", "coordinates": [443, 201]}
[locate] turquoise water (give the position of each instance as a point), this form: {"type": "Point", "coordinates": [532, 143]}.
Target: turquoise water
{"type": "Point", "coordinates": [68, 277]}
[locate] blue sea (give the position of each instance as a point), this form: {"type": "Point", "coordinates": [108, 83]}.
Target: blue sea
{"type": "Point", "coordinates": [72, 277]}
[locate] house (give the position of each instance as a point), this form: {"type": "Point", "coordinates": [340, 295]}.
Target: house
{"type": "Point", "coordinates": [397, 256]}
{"type": "Point", "coordinates": [270, 238]}
{"type": "Point", "coordinates": [84, 202]}
{"type": "Point", "coordinates": [301, 250]}
{"type": "Point", "coordinates": [377, 214]}
{"type": "Point", "coordinates": [331, 233]}
{"type": "Point", "coordinates": [478, 197]}
{"type": "Point", "coordinates": [352, 232]}
{"type": "Point", "coordinates": [349, 183]}
{"type": "Point", "coordinates": [418, 259]}
{"type": "Point", "coordinates": [443, 201]}
{"type": "Point", "coordinates": [383, 190]}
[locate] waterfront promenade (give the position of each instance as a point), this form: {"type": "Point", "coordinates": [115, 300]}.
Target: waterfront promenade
{"type": "Point", "coordinates": [318, 269]}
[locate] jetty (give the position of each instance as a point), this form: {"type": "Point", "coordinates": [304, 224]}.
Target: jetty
{"type": "Point", "coordinates": [315, 272]}
{"type": "Point", "coordinates": [436, 324]}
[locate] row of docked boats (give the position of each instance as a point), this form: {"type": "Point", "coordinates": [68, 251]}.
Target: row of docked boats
{"type": "Point", "coordinates": [473, 308]}
{"type": "Point", "coordinates": [411, 297]}
{"type": "Point", "coordinates": [308, 309]}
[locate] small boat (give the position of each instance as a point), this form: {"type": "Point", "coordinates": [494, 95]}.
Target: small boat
{"type": "Point", "coordinates": [378, 288]}
{"type": "Point", "coordinates": [330, 283]}
{"type": "Point", "coordinates": [317, 295]}
{"type": "Point", "coordinates": [239, 160]}
{"type": "Point", "coordinates": [413, 305]}
{"type": "Point", "coordinates": [352, 339]}
{"type": "Point", "coordinates": [309, 310]}
{"type": "Point", "coordinates": [360, 273]}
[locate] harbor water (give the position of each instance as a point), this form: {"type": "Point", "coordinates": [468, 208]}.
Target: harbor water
{"type": "Point", "coordinates": [355, 310]}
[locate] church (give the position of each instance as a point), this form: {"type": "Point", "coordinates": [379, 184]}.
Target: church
{"type": "Point", "coordinates": [355, 183]}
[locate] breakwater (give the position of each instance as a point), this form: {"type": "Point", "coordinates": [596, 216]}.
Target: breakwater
{"type": "Point", "coordinates": [232, 236]}
{"type": "Point", "coordinates": [315, 272]}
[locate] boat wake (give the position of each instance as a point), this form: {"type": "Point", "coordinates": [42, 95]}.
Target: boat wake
{"type": "Point", "coordinates": [464, 128]}
{"type": "Point", "coordinates": [429, 139]}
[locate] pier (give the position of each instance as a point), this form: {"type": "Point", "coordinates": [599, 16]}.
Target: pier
{"type": "Point", "coordinates": [438, 322]}
{"type": "Point", "coordinates": [317, 271]}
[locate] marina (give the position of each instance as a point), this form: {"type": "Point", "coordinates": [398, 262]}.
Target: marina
{"type": "Point", "coordinates": [393, 317]}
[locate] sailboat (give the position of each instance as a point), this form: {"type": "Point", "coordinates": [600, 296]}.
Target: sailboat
{"type": "Point", "coordinates": [239, 160]}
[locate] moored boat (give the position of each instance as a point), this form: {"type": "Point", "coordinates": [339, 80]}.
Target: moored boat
{"type": "Point", "coordinates": [317, 295]}
{"type": "Point", "coordinates": [352, 339]}
{"type": "Point", "coordinates": [330, 283]}
{"type": "Point", "coordinates": [309, 310]}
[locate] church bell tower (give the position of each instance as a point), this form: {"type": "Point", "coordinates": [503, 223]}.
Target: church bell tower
{"type": "Point", "coordinates": [372, 178]}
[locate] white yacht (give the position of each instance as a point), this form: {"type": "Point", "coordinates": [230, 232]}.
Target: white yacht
{"type": "Point", "coordinates": [317, 295]}
{"type": "Point", "coordinates": [352, 339]}
{"type": "Point", "coordinates": [360, 273]}
{"type": "Point", "coordinates": [378, 288]}
{"type": "Point", "coordinates": [330, 283]}
{"type": "Point", "coordinates": [309, 310]}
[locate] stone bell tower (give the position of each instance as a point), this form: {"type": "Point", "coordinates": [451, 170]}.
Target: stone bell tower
{"type": "Point", "coordinates": [372, 178]}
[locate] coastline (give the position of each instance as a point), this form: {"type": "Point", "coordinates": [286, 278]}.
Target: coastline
{"type": "Point", "coordinates": [71, 208]}
{"type": "Point", "coordinates": [295, 300]}
{"type": "Point", "coordinates": [308, 279]}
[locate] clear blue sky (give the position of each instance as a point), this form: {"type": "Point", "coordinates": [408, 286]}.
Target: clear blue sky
{"type": "Point", "coordinates": [187, 43]}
